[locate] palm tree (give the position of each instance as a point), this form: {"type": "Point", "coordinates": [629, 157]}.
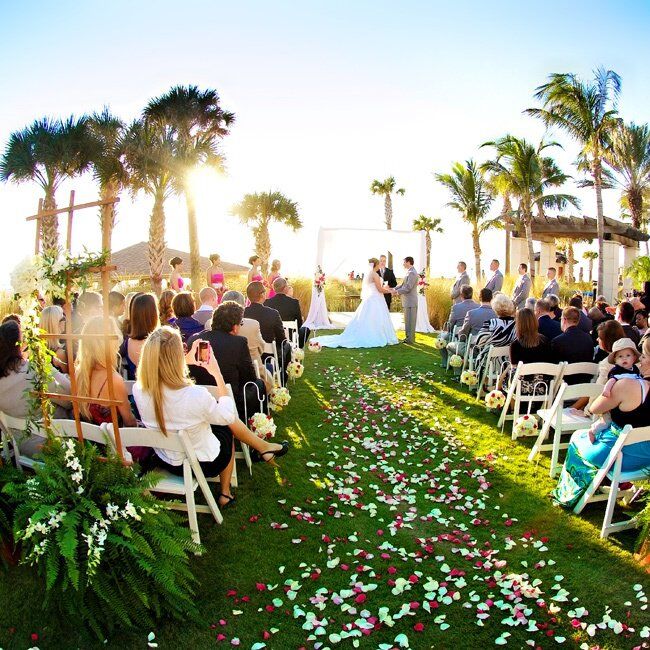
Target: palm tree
{"type": "Point", "coordinates": [507, 218]}
{"type": "Point", "coordinates": [107, 134]}
{"type": "Point", "coordinates": [259, 211]}
{"type": "Point", "coordinates": [149, 157]}
{"type": "Point", "coordinates": [198, 123]}
{"type": "Point", "coordinates": [587, 112]}
{"type": "Point", "coordinates": [427, 225]}
{"type": "Point", "coordinates": [526, 174]}
{"type": "Point", "coordinates": [590, 256]}
{"type": "Point", "coordinates": [47, 152]}
{"type": "Point", "coordinates": [565, 244]}
{"type": "Point", "coordinates": [386, 188]}
{"type": "Point", "coordinates": [471, 196]}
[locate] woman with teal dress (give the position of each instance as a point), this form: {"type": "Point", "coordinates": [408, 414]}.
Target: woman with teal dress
{"type": "Point", "coordinates": [629, 403]}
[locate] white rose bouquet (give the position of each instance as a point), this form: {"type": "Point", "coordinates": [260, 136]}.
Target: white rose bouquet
{"type": "Point", "coordinates": [295, 370]}
{"type": "Point", "coordinates": [279, 398]}
{"type": "Point", "coordinates": [315, 346]}
{"type": "Point", "coordinates": [526, 425]}
{"type": "Point", "coordinates": [297, 354]}
{"type": "Point", "coordinates": [262, 426]}
{"type": "Point", "coordinates": [455, 361]}
{"type": "Point", "coordinates": [469, 378]}
{"type": "Point", "coordinates": [495, 399]}
{"type": "Point", "coordinates": [440, 344]}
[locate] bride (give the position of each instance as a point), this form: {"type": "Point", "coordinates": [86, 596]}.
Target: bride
{"type": "Point", "coordinates": [370, 326]}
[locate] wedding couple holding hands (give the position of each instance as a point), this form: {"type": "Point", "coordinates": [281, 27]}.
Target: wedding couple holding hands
{"type": "Point", "coordinates": [371, 326]}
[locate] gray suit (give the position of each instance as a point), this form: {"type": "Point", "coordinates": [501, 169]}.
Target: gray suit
{"type": "Point", "coordinates": [495, 283]}
{"type": "Point", "coordinates": [552, 288]}
{"type": "Point", "coordinates": [462, 279]}
{"type": "Point", "coordinates": [408, 292]}
{"type": "Point", "coordinates": [459, 311]}
{"type": "Point", "coordinates": [475, 319]}
{"type": "Point", "coordinates": [522, 291]}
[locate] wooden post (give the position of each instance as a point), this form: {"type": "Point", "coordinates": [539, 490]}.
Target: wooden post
{"type": "Point", "coordinates": [39, 224]}
{"type": "Point", "coordinates": [69, 349]}
{"type": "Point", "coordinates": [68, 239]}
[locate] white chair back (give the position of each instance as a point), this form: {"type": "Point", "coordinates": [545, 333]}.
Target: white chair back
{"type": "Point", "coordinates": [581, 368]}
{"type": "Point", "coordinates": [13, 430]}
{"type": "Point", "coordinates": [92, 432]}
{"type": "Point", "coordinates": [291, 331]}
{"type": "Point", "coordinates": [492, 369]}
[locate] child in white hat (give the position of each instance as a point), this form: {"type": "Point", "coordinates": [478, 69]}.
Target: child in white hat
{"type": "Point", "coordinates": [624, 356]}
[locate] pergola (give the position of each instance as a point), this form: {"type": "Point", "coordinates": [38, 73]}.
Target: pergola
{"type": "Point", "coordinates": [547, 229]}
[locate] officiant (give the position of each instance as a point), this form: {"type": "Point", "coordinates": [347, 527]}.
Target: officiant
{"type": "Point", "coordinates": [387, 276]}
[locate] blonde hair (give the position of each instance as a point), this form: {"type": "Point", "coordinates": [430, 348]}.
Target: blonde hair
{"type": "Point", "coordinates": [162, 363]}
{"type": "Point", "coordinates": [51, 323]}
{"type": "Point", "coordinates": [275, 265]}
{"type": "Point", "coordinates": [502, 305]}
{"type": "Point", "coordinates": [92, 353]}
{"type": "Point", "coordinates": [373, 260]}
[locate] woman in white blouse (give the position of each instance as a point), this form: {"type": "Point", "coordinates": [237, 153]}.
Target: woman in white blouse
{"type": "Point", "coordinates": [168, 400]}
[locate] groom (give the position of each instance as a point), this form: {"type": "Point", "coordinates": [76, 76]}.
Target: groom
{"type": "Point", "coordinates": [408, 291]}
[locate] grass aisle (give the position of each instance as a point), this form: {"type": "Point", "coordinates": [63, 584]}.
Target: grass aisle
{"type": "Point", "coordinates": [401, 518]}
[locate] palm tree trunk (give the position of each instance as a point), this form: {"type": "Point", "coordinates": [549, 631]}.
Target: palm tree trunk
{"type": "Point", "coordinates": [195, 257]}
{"type": "Point", "coordinates": [570, 261]}
{"type": "Point", "coordinates": [263, 245]}
{"type": "Point", "coordinates": [529, 241]}
{"type": "Point", "coordinates": [591, 270]}
{"type": "Point", "coordinates": [476, 243]}
{"type": "Point", "coordinates": [157, 243]}
{"type": "Point", "coordinates": [388, 218]}
{"type": "Point", "coordinates": [598, 185]}
{"type": "Point", "coordinates": [107, 211]}
{"type": "Point", "coordinates": [49, 225]}
{"type": "Point", "coordinates": [507, 219]}
{"type": "Point", "coordinates": [635, 201]}
{"type": "Point", "coordinates": [427, 240]}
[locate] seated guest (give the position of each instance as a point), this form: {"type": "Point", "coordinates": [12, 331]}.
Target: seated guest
{"type": "Point", "coordinates": [625, 316]}
{"type": "Point", "coordinates": [608, 333]}
{"type": "Point", "coordinates": [53, 322]}
{"type": "Point", "coordinates": [128, 301]}
{"type": "Point", "coordinates": [209, 301]}
{"type": "Point", "coordinates": [629, 403]}
{"type": "Point", "coordinates": [546, 325]}
{"type": "Point", "coordinates": [92, 375]}
{"type": "Point", "coordinates": [573, 345]}
{"type": "Point", "coordinates": [88, 305]}
{"type": "Point", "coordinates": [530, 304]}
{"type": "Point", "coordinates": [270, 322]}
{"type": "Point", "coordinates": [231, 353]}
{"type": "Point", "coordinates": [457, 315]}
{"type": "Point", "coordinates": [554, 302]}
{"type": "Point", "coordinates": [250, 329]}
{"type": "Point", "coordinates": [143, 320]}
{"type": "Point", "coordinates": [183, 306]}
{"type": "Point", "coordinates": [14, 317]}
{"type": "Point", "coordinates": [168, 400]}
{"type": "Point", "coordinates": [116, 305]}
{"type": "Point", "coordinates": [641, 322]}
{"type": "Point", "coordinates": [165, 311]}
{"type": "Point", "coordinates": [497, 332]}
{"type": "Point", "coordinates": [287, 307]}
{"type": "Point", "coordinates": [529, 345]}
{"type": "Point", "coordinates": [597, 318]}
{"type": "Point", "coordinates": [585, 323]}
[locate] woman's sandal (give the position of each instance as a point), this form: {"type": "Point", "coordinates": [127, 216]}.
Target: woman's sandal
{"type": "Point", "coordinates": [268, 456]}
{"type": "Point", "coordinates": [229, 500]}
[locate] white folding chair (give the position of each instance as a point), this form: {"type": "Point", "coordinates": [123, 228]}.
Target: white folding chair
{"type": "Point", "coordinates": [291, 331]}
{"type": "Point", "coordinates": [13, 430]}
{"type": "Point", "coordinates": [561, 420]}
{"type": "Point", "coordinates": [92, 432]}
{"type": "Point", "coordinates": [471, 340]}
{"type": "Point", "coordinates": [553, 372]}
{"type": "Point", "coordinates": [187, 484]}
{"type": "Point", "coordinates": [612, 469]}
{"type": "Point", "coordinates": [492, 369]}
{"type": "Point", "coordinates": [272, 349]}
{"type": "Point", "coordinates": [453, 337]}
{"type": "Point", "coordinates": [581, 368]}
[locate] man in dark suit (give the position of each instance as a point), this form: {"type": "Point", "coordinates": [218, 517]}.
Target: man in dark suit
{"type": "Point", "coordinates": [234, 359]}
{"type": "Point", "coordinates": [270, 322]}
{"type": "Point", "coordinates": [546, 323]}
{"type": "Point", "coordinates": [388, 276]}
{"type": "Point", "coordinates": [287, 307]}
{"type": "Point", "coordinates": [625, 316]}
{"type": "Point", "coordinates": [573, 345]}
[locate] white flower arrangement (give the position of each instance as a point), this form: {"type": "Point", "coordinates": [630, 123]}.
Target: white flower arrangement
{"type": "Point", "coordinates": [297, 354]}
{"type": "Point", "coordinates": [315, 346]}
{"type": "Point", "coordinates": [440, 343]}
{"type": "Point", "coordinates": [295, 370]}
{"type": "Point", "coordinates": [262, 425]}
{"type": "Point", "coordinates": [495, 399]}
{"type": "Point", "coordinates": [455, 361]}
{"type": "Point", "coordinates": [526, 425]}
{"type": "Point", "coordinates": [469, 378]}
{"type": "Point", "coordinates": [279, 398]}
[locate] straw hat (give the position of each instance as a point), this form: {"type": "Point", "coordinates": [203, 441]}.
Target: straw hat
{"type": "Point", "coordinates": [623, 344]}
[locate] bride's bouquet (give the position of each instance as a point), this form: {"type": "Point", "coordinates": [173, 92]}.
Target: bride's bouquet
{"type": "Point", "coordinates": [319, 281]}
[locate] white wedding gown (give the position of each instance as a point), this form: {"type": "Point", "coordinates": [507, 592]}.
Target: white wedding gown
{"type": "Point", "coordinates": [370, 326]}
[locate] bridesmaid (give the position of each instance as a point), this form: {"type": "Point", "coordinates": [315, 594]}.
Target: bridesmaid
{"type": "Point", "coordinates": [255, 273]}
{"type": "Point", "coordinates": [215, 276]}
{"type": "Point", "coordinates": [273, 275]}
{"type": "Point", "coordinates": [175, 279]}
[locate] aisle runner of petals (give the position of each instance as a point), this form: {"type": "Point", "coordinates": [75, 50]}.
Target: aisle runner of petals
{"type": "Point", "coordinates": [442, 543]}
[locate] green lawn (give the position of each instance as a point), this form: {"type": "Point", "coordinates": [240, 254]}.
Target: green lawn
{"type": "Point", "coordinates": [400, 516]}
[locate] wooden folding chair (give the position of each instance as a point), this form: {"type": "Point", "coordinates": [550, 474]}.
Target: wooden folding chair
{"type": "Point", "coordinates": [551, 370]}
{"type": "Point", "coordinates": [562, 421]}
{"type": "Point", "coordinates": [492, 369]}
{"type": "Point", "coordinates": [185, 485]}
{"type": "Point", "coordinates": [612, 469]}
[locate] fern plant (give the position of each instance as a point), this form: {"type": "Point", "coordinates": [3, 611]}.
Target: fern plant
{"type": "Point", "coordinates": [110, 554]}
{"type": "Point", "coordinates": [8, 475]}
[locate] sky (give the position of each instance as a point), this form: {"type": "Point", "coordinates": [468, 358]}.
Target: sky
{"type": "Point", "coordinates": [327, 97]}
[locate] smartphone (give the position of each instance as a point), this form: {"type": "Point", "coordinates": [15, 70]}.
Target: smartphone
{"type": "Point", "coordinates": [204, 351]}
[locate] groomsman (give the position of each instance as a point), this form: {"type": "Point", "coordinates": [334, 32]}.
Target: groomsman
{"type": "Point", "coordinates": [495, 283]}
{"type": "Point", "coordinates": [387, 276]}
{"type": "Point", "coordinates": [522, 288]}
{"type": "Point", "coordinates": [552, 286]}
{"type": "Point", "coordinates": [461, 280]}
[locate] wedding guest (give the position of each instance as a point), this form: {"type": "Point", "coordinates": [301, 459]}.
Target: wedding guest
{"type": "Point", "coordinates": [168, 400]}
{"type": "Point", "coordinates": [88, 305]}
{"type": "Point", "coordinates": [92, 374]}
{"type": "Point", "coordinates": [625, 316]}
{"type": "Point", "coordinates": [165, 311]}
{"type": "Point", "coordinates": [629, 403]}
{"type": "Point", "coordinates": [461, 280]}
{"type": "Point", "coordinates": [250, 329]}
{"type": "Point", "coordinates": [388, 276]}
{"type": "Point", "coordinates": [11, 317]}
{"type": "Point", "coordinates": [231, 352]}
{"type": "Point", "coordinates": [255, 271]}
{"type": "Point", "coordinates": [209, 302]}
{"type": "Point", "coordinates": [530, 304]}
{"type": "Point", "coordinates": [288, 308]}
{"type": "Point", "coordinates": [176, 282]}
{"type": "Point", "coordinates": [641, 322]}
{"type": "Point", "coordinates": [556, 310]}
{"type": "Point", "coordinates": [495, 283]}
{"type": "Point", "coordinates": [608, 333]}
{"type": "Point", "coordinates": [573, 345]}
{"type": "Point", "coordinates": [597, 318]}
{"type": "Point", "coordinates": [142, 322]}
{"type": "Point", "coordinates": [53, 322]}
{"type": "Point", "coordinates": [529, 345]}
{"type": "Point", "coordinates": [522, 288]}
{"type": "Point", "coordinates": [497, 332]}
{"type": "Point", "coordinates": [552, 286]}
{"type": "Point", "coordinates": [116, 305]}
{"type": "Point", "coordinates": [457, 318]}
{"type": "Point", "coordinates": [215, 276]}
{"type": "Point", "coordinates": [585, 323]}
{"type": "Point", "coordinates": [128, 301]}
{"type": "Point", "coordinates": [183, 306]}
{"type": "Point", "coordinates": [546, 325]}
{"type": "Point", "coordinates": [273, 275]}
